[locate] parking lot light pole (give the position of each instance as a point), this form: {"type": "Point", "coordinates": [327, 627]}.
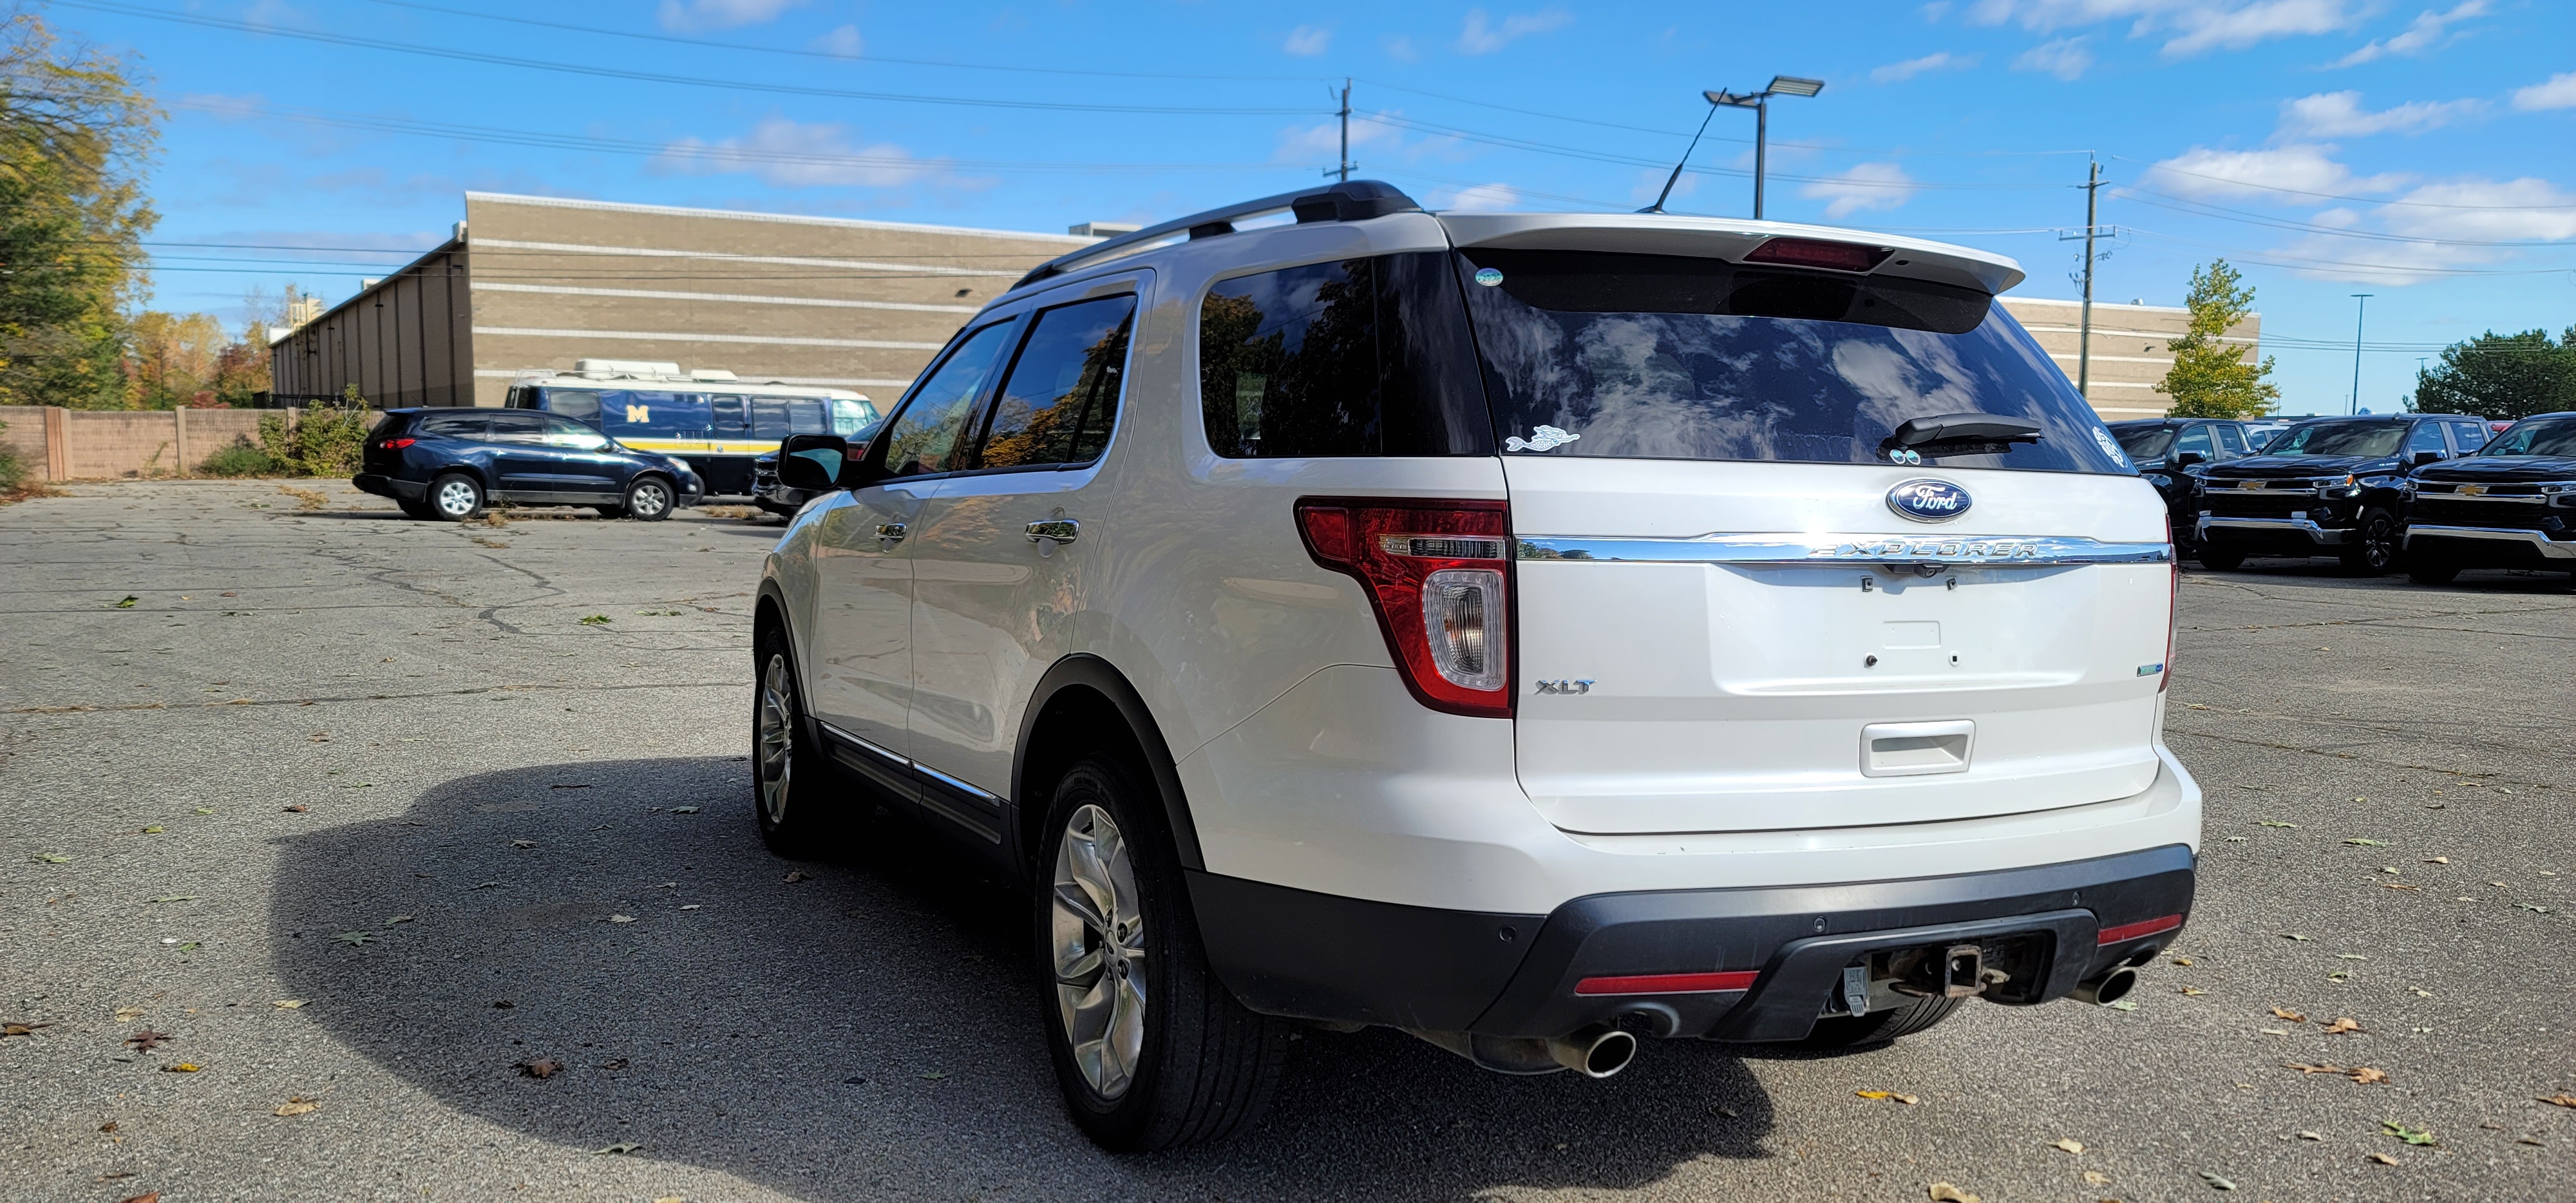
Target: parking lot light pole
{"type": "Point", "coordinates": [2361, 307]}
{"type": "Point", "coordinates": [1760, 103]}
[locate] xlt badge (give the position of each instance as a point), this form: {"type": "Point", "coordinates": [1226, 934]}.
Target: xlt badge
{"type": "Point", "coordinates": [1568, 687]}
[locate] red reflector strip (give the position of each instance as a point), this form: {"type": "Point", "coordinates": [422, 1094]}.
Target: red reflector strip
{"type": "Point", "coordinates": [1668, 983]}
{"type": "Point", "coordinates": [2143, 927]}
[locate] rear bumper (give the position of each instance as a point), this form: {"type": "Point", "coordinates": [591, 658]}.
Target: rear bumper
{"type": "Point", "coordinates": [1763, 963]}
{"type": "Point", "coordinates": [390, 486]}
{"type": "Point", "coordinates": [2293, 535]}
{"type": "Point", "coordinates": [2488, 543]}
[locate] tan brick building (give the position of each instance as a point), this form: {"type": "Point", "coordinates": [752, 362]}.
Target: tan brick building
{"type": "Point", "coordinates": [2129, 355]}
{"type": "Point", "coordinates": [532, 282]}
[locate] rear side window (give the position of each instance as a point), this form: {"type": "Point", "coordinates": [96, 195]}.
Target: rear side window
{"type": "Point", "coordinates": [1062, 394]}
{"type": "Point", "coordinates": [2229, 439]}
{"type": "Point", "coordinates": [452, 426]}
{"type": "Point", "coordinates": [2427, 437]}
{"type": "Point", "coordinates": [923, 438]}
{"type": "Point", "coordinates": [2194, 438]}
{"type": "Point", "coordinates": [1360, 357]}
{"type": "Point", "coordinates": [2469, 435]}
{"type": "Point", "coordinates": [1629, 356]}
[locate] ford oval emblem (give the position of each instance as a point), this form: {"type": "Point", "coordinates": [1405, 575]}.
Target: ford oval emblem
{"type": "Point", "coordinates": [1928, 500]}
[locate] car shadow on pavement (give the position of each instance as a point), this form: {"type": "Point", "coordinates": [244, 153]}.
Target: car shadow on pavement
{"type": "Point", "coordinates": [861, 1027]}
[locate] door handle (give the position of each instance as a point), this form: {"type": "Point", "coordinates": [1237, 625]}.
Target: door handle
{"type": "Point", "coordinates": [891, 532]}
{"type": "Point", "coordinates": [1060, 531]}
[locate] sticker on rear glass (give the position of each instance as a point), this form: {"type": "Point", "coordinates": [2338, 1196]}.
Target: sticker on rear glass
{"type": "Point", "coordinates": [2110, 447]}
{"type": "Point", "coordinates": [1545, 438]}
{"type": "Point", "coordinates": [1489, 276]}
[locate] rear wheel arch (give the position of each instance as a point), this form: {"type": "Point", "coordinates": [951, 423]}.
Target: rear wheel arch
{"type": "Point", "coordinates": [1084, 706]}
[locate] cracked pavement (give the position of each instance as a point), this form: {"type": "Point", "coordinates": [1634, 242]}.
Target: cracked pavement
{"type": "Point", "coordinates": [382, 769]}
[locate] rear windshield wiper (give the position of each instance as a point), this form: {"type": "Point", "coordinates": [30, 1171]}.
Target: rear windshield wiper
{"type": "Point", "coordinates": [1964, 428]}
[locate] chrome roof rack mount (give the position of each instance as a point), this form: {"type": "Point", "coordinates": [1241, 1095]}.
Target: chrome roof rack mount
{"type": "Point", "coordinates": [1355, 200]}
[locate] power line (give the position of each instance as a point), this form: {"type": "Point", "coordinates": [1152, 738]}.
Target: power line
{"type": "Point", "coordinates": [2361, 200]}
{"type": "Point", "coordinates": [2220, 213]}
{"type": "Point", "coordinates": [659, 77]}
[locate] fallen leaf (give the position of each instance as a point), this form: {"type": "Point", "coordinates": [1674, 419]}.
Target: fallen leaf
{"type": "Point", "coordinates": [2270, 823]}
{"type": "Point", "coordinates": [2368, 1077]}
{"type": "Point", "coordinates": [503, 1004]}
{"type": "Point", "coordinates": [2315, 1069]}
{"type": "Point", "coordinates": [126, 602]}
{"type": "Point", "coordinates": [184, 1067]}
{"type": "Point", "coordinates": [595, 620]}
{"type": "Point", "coordinates": [287, 1004]}
{"type": "Point", "coordinates": [1907, 1099]}
{"type": "Point", "coordinates": [2068, 1143]}
{"type": "Point", "coordinates": [1943, 1192]}
{"type": "Point", "coordinates": [539, 1067]}
{"type": "Point", "coordinates": [684, 810]}
{"type": "Point", "coordinates": [1871, 1094]}
{"type": "Point", "coordinates": [2350, 956]}
{"type": "Point", "coordinates": [398, 919]}
{"type": "Point", "coordinates": [2525, 1140]}
{"type": "Point", "coordinates": [2193, 991]}
{"type": "Point", "coordinates": [110, 1126]}
{"type": "Point", "coordinates": [2383, 1158]}
{"type": "Point", "coordinates": [21, 1029]}
{"type": "Point", "coordinates": [614, 1063]}
{"type": "Point", "coordinates": [2310, 1136]}
{"type": "Point", "coordinates": [2412, 1136]}
{"type": "Point", "coordinates": [2292, 1016]}
{"type": "Point", "coordinates": [177, 898]}
{"type": "Point", "coordinates": [293, 810]}
{"type": "Point", "coordinates": [618, 1149]}
{"type": "Point", "coordinates": [690, 907]}
{"type": "Point", "coordinates": [2368, 843]}
{"type": "Point", "coordinates": [146, 1040]}
{"type": "Point", "coordinates": [298, 1106]}
{"type": "Point", "coordinates": [2399, 885]}
{"type": "Point", "coordinates": [151, 831]}
{"type": "Point", "coordinates": [2437, 860]}
{"type": "Point", "coordinates": [796, 875]}
{"type": "Point", "coordinates": [621, 918]}
{"type": "Point", "coordinates": [2558, 1100]}
{"type": "Point", "coordinates": [2126, 1004]}
{"type": "Point", "coordinates": [2291, 935]}
{"type": "Point", "coordinates": [523, 843]}
{"type": "Point", "coordinates": [146, 1197]}
{"type": "Point", "coordinates": [355, 938]}
{"type": "Point", "coordinates": [50, 858]}
{"type": "Point", "coordinates": [128, 1014]}
{"type": "Point", "coordinates": [2529, 907]}
{"type": "Point", "coordinates": [2338, 976]}
{"type": "Point", "coordinates": [2274, 1031]}
{"type": "Point", "coordinates": [2215, 1182]}
{"type": "Point", "coordinates": [2343, 1024]}
{"type": "Point", "coordinates": [2096, 1178]}
{"type": "Point", "coordinates": [2183, 961]}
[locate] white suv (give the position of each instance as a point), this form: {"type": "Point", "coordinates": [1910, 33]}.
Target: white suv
{"type": "Point", "coordinates": [1530, 631]}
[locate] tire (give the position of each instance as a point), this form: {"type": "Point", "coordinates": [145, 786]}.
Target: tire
{"type": "Point", "coordinates": [2432, 572]}
{"type": "Point", "coordinates": [1175, 1061]}
{"type": "Point", "coordinates": [650, 499]}
{"type": "Point", "coordinates": [1879, 1027]}
{"type": "Point", "coordinates": [417, 510]}
{"type": "Point", "coordinates": [2376, 553]}
{"type": "Point", "coordinates": [2219, 559]}
{"type": "Point", "coordinates": [791, 789]}
{"type": "Point", "coordinates": [455, 497]}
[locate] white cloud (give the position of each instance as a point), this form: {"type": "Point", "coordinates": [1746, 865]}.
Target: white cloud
{"type": "Point", "coordinates": [2558, 92]}
{"type": "Point", "coordinates": [2444, 227]}
{"type": "Point", "coordinates": [2275, 174]}
{"type": "Point", "coordinates": [1307, 41]}
{"type": "Point", "coordinates": [1400, 48]}
{"type": "Point", "coordinates": [1482, 198]}
{"type": "Point", "coordinates": [790, 154]}
{"type": "Point", "coordinates": [693, 15]}
{"type": "Point", "coordinates": [1863, 186]}
{"type": "Point", "coordinates": [2340, 115]}
{"type": "Point", "coordinates": [2418, 36]}
{"type": "Point", "coordinates": [1481, 36]}
{"type": "Point", "coordinates": [843, 41]}
{"type": "Point", "coordinates": [1938, 61]}
{"type": "Point", "coordinates": [2196, 25]}
{"type": "Point", "coordinates": [2065, 58]}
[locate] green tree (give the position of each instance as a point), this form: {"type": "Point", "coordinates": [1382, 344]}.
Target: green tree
{"type": "Point", "coordinates": [2501, 376]}
{"type": "Point", "coordinates": [2210, 377]}
{"type": "Point", "coordinates": [75, 137]}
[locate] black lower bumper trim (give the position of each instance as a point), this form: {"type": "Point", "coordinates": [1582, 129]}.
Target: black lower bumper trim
{"type": "Point", "coordinates": [1320, 956]}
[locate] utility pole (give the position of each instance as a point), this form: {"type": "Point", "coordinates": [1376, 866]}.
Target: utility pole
{"type": "Point", "coordinates": [1346, 131]}
{"type": "Point", "coordinates": [2360, 309]}
{"type": "Point", "coordinates": [2084, 327]}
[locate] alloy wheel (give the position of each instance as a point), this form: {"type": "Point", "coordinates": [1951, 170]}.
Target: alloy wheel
{"type": "Point", "coordinates": [1098, 938]}
{"type": "Point", "coordinates": [456, 498]}
{"type": "Point", "coordinates": [777, 739]}
{"type": "Point", "coordinates": [650, 499]}
{"type": "Point", "coordinates": [2379, 542]}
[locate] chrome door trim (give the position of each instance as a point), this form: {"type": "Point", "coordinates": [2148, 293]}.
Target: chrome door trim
{"type": "Point", "coordinates": [979, 795]}
{"type": "Point", "coordinates": [2038, 551]}
{"type": "Point", "coordinates": [863, 745]}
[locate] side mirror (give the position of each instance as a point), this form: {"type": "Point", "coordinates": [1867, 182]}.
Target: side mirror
{"type": "Point", "coordinates": [2421, 458]}
{"type": "Point", "coordinates": [2186, 459]}
{"type": "Point", "coordinates": [812, 462]}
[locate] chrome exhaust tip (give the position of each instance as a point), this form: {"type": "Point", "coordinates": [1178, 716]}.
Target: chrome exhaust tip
{"type": "Point", "coordinates": [1594, 1052]}
{"type": "Point", "coordinates": [2107, 989]}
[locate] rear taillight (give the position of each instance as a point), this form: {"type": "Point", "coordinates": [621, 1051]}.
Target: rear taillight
{"type": "Point", "coordinates": [2173, 603]}
{"type": "Point", "coordinates": [1438, 574]}
{"type": "Point", "coordinates": [397, 444]}
{"type": "Point", "coordinates": [1813, 252]}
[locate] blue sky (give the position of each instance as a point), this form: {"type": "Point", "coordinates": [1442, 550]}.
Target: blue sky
{"type": "Point", "coordinates": [2424, 153]}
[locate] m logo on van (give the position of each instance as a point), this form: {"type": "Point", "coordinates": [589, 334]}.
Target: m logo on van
{"type": "Point", "coordinates": [1928, 500]}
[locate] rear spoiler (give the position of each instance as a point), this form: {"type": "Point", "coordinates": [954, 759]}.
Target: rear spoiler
{"type": "Point", "coordinates": [1729, 239]}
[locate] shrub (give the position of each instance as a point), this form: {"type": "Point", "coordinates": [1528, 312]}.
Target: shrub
{"type": "Point", "coordinates": [242, 458]}
{"type": "Point", "coordinates": [327, 441]}
{"type": "Point", "coordinates": [13, 474]}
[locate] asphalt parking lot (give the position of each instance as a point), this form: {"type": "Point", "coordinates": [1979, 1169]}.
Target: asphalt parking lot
{"type": "Point", "coordinates": [363, 814]}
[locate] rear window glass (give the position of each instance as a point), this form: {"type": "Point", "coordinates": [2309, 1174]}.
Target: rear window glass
{"type": "Point", "coordinates": [2370, 439]}
{"type": "Point", "coordinates": [2144, 442]}
{"type": "Point", "coordinates": [2555, 437]}
{"type": "Point", "coordinates": [1353, 358]}
{"type": "Point", "coordinates": [1669, 357]}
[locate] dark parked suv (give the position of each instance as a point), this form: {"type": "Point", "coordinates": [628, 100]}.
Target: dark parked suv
{"type": "Point", "coordinates": [2325, 487]}
{"type": "Point", "coordinates": [446, 463]}
{"type": "Point", "coordinates": [2173, 452]}
{"type": "Point", "coordinates": [2511, 505]}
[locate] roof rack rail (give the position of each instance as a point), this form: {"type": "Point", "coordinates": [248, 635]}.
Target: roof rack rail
{"type": "Point", "coordinates": [1354, 200]}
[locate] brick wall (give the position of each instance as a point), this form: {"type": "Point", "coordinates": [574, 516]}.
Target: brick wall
{"type": "Point", "coordinates": [73, 444]}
